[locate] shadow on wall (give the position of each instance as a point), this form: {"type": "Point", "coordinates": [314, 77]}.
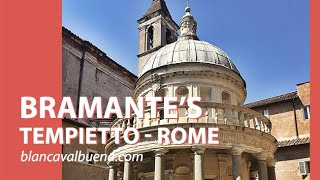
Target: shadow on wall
{"type": "Point", "coordinates": [293, 152]}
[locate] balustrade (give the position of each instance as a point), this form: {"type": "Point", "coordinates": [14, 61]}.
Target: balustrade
{"type": "Point", "coordinates": [213, 113]}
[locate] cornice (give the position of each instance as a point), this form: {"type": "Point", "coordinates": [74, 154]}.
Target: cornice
{"type": "Point", "coordinates": [141, 86]}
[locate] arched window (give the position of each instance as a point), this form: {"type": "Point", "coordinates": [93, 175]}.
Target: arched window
{"type": "Point", "coordinates": [226, 99]}
{"type": "Point", "coordinates": [182, 91]}
{"type": "Point", "coordinates": [205, 93]}
{"type": "Point", "coordinates": [161, 93]}
{"type": "Point", "coordinates": [168, 36]}
{"type": "Point", "coordinates": [150, 38]}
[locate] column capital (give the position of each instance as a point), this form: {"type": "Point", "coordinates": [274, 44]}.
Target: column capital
{"type": "Point", "coordinates": [262, 156]}
{"type": "Point", "coordinates": [198, 149]}
{"type": "Point", "coordinates": [237, 150]}
{"type": "Point", "coordinates": [160, 151]}
{"type": "Point", "coordinates": [271, 163]}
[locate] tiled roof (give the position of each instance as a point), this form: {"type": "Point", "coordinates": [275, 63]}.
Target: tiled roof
{"type": "Point", "coordinates": [292, 142]}
{"type": "Point", "coordinates": [158, 5]}
{"type": "Point", "coordinates": [275, 99]}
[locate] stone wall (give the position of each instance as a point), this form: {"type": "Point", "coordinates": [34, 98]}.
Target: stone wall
{"type": "Point", "coordinates": [89, 72]}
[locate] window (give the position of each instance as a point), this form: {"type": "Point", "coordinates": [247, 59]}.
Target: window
{"type": "Point", "coordinates": [266, 113]}
{"type": "Point", "coordinates": [161, 93]}
{"type": "Point", "coordinates": [304, 167]}
{"type": "Point", "coordinates": [226, 99]}
{"type": "Point", "coordinates": [168, 36]}
{"type": "Point", "coordinates": [182, 91]}
{"type": "Point", "coordinates": [90, 154]}
{"type": "Point", "coordinates": [306, 112]}
{"type": "Point", "coordinates": [161, 114]}
{"type": "Point", "coordinates": [150, 38]}
{"type": "Point", "coordinates": [205, 93]}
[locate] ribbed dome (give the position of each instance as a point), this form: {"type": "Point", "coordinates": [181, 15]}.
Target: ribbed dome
{"type": "Point", "coordinates": [189, 50]}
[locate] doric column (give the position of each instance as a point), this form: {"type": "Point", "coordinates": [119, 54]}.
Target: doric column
{"type": "Point", "coordinates": [271, 169]}
{"type": "Point", "coordinates": [127, 171]}
{"type": "Point", "coordinates": [262, 166]}
{"type": "Point", "coordinates": [249, 167]}
{"type": "Point", "coordinates": [198, 163]}
{"type": "Point", "coordinates": [236, 163]}
{"type": "Point", "coordinates": [222, 160]}
{"type": "Point", "coordinates": [113, 171]}
{"type": "Point", "coordinates": [158, 166]}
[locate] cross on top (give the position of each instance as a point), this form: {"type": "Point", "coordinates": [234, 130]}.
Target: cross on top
{"type": "Point", "coordinates": [188, 2]}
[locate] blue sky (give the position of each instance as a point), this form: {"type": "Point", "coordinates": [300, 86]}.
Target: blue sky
{"type": "Point", "coordinates": [267, 40]}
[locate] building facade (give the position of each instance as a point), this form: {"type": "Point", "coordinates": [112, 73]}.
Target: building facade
{"type": "Point", "coordinates": [88, 72]}
{"type": "Point", "coordinates": [290, 117]}
{"type": "Point", "coordinates": [189, 67]}
{"type": "Point", "coordinates": [265, 140]}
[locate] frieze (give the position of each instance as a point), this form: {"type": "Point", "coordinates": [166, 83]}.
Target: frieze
{"type": "Point", "coordinates": [251, 142]}
{"type": "Point", "coordinates": [211, 75]}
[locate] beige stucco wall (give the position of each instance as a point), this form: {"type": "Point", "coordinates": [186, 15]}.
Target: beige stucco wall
{"type": "Point", "coordinates": [288, 170]}
{"type": "Point", "coordinates": [304, 92]}
{"type": "Point", "coordinates": [288, 158]}
{"type": "Point", "coordinates": [304, 96]}
{"type": "Point", "coordinates": [282, 115]}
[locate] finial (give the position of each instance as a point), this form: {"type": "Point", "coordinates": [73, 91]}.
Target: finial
{"type": "Point", "coordinates": [188, 25]}
{"type": "Point", "coordinates": [188, 9]}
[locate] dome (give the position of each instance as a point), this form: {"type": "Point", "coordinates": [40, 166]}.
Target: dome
{"type": "Point", "coordinates": [188, 50]}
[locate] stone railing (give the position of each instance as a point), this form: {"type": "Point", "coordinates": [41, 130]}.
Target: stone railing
{"type": "Point", "coordinates": [213, 113]}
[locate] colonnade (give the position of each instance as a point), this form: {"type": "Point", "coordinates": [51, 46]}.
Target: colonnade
{"type": "Point", "coordinates": [266, 169]}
